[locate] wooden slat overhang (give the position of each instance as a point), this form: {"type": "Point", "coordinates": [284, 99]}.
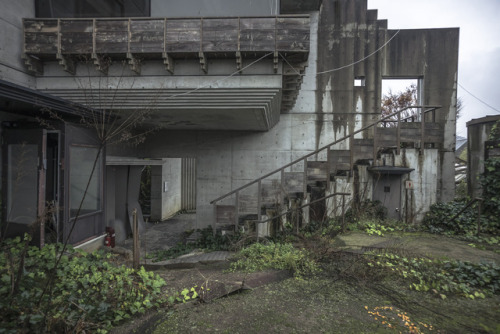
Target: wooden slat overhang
{"type": "Point", "coordinates": [135, 39]}
{"type": "Point", "coordinates": [284, 38]}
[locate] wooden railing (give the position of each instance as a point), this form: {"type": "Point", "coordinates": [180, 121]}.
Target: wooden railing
{"type": "Point", "coordinates": [166, 38]}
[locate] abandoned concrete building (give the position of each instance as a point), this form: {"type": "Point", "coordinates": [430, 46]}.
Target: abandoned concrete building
{"type": "Point", "coordinates": [250, 108]}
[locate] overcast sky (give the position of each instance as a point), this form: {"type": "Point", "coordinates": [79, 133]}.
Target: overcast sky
{"type": "Point", "coordinates": [479, 58]}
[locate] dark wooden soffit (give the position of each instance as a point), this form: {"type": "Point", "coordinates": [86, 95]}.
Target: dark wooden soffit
{"type": "Point", "coordinates": [135, 39]}
{"type": "Point", "coordinates": [25, 101]}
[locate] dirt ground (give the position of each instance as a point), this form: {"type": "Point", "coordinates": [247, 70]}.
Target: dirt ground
{"type": "Point", "coordinates": [346, 298]}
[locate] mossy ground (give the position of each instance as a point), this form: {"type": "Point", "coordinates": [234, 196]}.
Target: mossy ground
{"type": "Point", "coordinates": [323, 305]}
{"type": "Point", "coordinates": [341, 298]}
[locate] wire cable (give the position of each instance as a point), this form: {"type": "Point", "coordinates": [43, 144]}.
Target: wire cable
{"type": "Point", "coordinates": [477, 98]}
{"type": "Point", "coordinates": [363, 59]}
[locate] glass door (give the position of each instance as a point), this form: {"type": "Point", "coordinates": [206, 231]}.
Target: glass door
{"type": "Point", "coordinates": [24, 170]}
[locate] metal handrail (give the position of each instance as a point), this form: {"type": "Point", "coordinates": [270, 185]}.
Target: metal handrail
{"type": "Point", "coordinates": [430, 108]}
{"type": "Point", "coordinates": [300, 207]}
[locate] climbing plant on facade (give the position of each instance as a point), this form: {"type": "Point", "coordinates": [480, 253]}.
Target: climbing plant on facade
{"type": "Point", "coordinates": [490, 179]}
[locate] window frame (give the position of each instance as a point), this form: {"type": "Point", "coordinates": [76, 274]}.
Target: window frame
{"type": "Point", "coordinates": [100, 181]}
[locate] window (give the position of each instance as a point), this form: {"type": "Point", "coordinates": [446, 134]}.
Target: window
{"type": "Point", "coordinates": [81, 164]}
{"type": "Point", "coordinates": [359, 81]}
{"type": "Point", "coordinates": [22, 183]}
{"type": "Point", "coordinates": [92, 8]}
{"type": "Point", "coordinates": [399, 94]}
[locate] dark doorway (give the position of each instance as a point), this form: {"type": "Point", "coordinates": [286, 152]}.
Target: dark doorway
{"type": "Point", "coordinates": [31, 184]}
{"type": "Point", "coordinates": [387, 190]}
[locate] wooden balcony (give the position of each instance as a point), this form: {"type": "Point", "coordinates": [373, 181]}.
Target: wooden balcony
{"type": "Point", "coordinates": [135, 39]}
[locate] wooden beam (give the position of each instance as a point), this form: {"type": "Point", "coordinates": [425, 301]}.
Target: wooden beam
{"type": "Point", "coordinates": [238, 60]}
{"type": "Point", "coordinates": [169, 62]}
{"type": "Point", "coordinates": [275, 61]}
{"type": "Point", "coordinates": [135, 63]}
{"type": "Point", "coordinates": [203, 62]}
{"type": "Point", "coordinates": [101, 63]}
{"type": "Point", "coordinates": [33, 64]}
{"type": "Point", "coordinates": [68, 63]}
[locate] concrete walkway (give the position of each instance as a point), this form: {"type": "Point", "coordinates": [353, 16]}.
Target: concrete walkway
{"type": "Point", "coordinates": [164, 235]}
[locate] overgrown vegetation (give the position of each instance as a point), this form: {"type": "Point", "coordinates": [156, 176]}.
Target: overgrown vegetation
{"type": "Point", "coordinates": [490, 182]}
{"type": "Point", "coordinates": [272, 255]}
{"type": "Point", "coordinates": [207, 241]}
{"type": "Point", "coordinates": [366, 210]}
{"type": "Point", "coordinates": [443, 277]}
{"type": "Point", "coordinates": [438, 219]}
{"type": "Point", "coordinates": [89, 293]}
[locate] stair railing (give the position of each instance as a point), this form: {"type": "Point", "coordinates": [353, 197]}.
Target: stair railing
{"type": "Point", "coordinates": [423, 111]}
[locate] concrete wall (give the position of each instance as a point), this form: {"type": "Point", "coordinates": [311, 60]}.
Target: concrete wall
{"type": "Point", "coordinates": [425, 179]}
{"type": "Point", "coordinates": [166, 189]}
{"type": "Point", "coordinates": [431, 54]}
{"type": "Point", "coordinates": [329, 107]}
{"type": "Point", "coordinates": [197, 8]}
{"type": "Point", "coordinates": [478, 131]}
{"type": "Point", "coordinates": [11, 41]}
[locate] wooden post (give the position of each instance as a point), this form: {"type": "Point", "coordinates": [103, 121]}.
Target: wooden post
{"type": "Point", "coordinates": [136, 250]}
{"type": "Point", "coordinates": [479, 203]}
{"type": "Point", "coordinates": [422, 130]}
{"type": "Point", "coordinates": [398, 139]}
{"type": "Point", "coordinates": [236, 211]}
{"type": "Point", "coordinates": [343, 213]}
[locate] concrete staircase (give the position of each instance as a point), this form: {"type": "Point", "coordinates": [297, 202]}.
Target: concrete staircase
{"type": "Point", "coordinates": [306, 182]}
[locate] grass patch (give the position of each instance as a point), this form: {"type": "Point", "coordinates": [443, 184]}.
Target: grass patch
{"type": "Point", "coordinates": [258, 257]}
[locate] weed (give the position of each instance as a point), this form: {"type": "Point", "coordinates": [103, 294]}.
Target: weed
{"type": "Point", "coordinates": [89, 293]}
{"type": "Point", "coordinates": [275, 256]}
{"type": "Point", "coordinates": [444, 277]}
{"type": "Point", "coordinates": [207, 242]}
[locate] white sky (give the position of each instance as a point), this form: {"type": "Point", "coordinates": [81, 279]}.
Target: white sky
{"type": "Point", "coordinates": [479, 57]}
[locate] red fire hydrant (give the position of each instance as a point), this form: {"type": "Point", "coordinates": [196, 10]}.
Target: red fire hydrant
{"type": "Point", "coordinates": [109, 240]}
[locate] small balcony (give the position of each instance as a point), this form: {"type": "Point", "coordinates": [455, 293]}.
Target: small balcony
{"type": "Point", "coordinates": [170, 42]}
{"type": "Point", "coordinates": [170, 38]}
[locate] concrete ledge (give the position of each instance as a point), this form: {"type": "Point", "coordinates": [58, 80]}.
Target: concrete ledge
{"type": "Point", "coordinates": [92, 244]}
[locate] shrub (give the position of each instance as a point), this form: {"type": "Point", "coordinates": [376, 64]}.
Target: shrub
{"type": "Point", "coordinates": [467, 279]}
{"type": "Point", "coordinates": [366, 210]}
{"type": "Point", "coordinates": [490, 182]}
{"type": "Point", "coordinates": [87, 293]}
{"type": "Point", "coordinates": [275, 256]}
{"type": "Point", "coordinates": [438, 219]}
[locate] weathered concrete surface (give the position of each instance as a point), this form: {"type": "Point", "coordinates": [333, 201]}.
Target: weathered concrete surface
{"type": "Point", "coordinates": [166, 189]}
{"type": "Point", "coordinates": [12, 67]}
{"type": "Point", "coordinates": [329, 105]}
{"type": "Point", "coordinates": [250, 101]}
{"type": "Point", "coordinates": [418, 244]}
